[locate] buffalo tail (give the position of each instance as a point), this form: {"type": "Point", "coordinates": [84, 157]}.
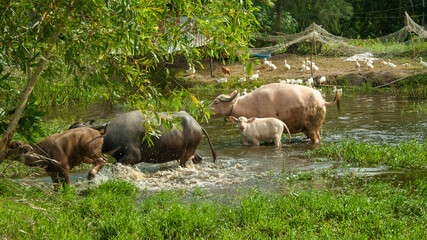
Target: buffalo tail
{"type": "Point", "coordinates": [337, 100]}
{"type": "Point", "coordinates": [210, 144]}
{"type": "Point", "coordinates": [289, 133]}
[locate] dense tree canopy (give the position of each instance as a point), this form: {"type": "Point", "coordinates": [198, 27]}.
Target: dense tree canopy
{"type": "Point", "coordinates": [349, 18]}
{"type": "Point", "coordinates": [293, 16]}
{"type": "Point", "coordinates": [378, 18]}
{"type": "Point", "coordinates": [125, 39]}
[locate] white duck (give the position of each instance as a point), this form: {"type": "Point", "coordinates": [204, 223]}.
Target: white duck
{"type": "Point", "coordinates": [272, 66]}
{"type": "Point", "coordinates": [255, 76]}
{"type": "Point", "coordinates": [383, 63]}
{"type": "Point", "coordinates": [369, 64]}
{"type": "Point", "coordinates": [282, 81]}
{"type": "Point", "coordinates": [304, 67]}
{"type": "Point", "coordinates": [287, 66]}
{"type": "Point", "coordinates": [191, 70]}
{"type": "Point", "coordinates": [424, 64]}
{"type": "Point", "coordinates": [244, 92]}
{"type": "Point", "coordinates": [406, 65]}
{"type": "Point", "coordinates": [322, 80]}
{"type": "Point", "coordinates": [357, 65]}
{"type": "Point", "coordinates": [390, 64]}
{"type": "Point", "coordinates": [310, 82]}
{"type": "Point", "coordinates": [222, 80]}
{"type": "Point", "coordinates": [266, 62]}
{"type": "Point", "coordinates": [242, 79]}
{"type": "Point", "coordinates": [298, 81]}
{"type": "Point", "coordinates": [339, 89]}
{"type": "Point", "coordinates": [315, 68]}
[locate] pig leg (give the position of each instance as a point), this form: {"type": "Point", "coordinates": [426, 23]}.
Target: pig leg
{"type": "Point", "coordinates": [246, 140]}
{"type": "Point", "coordinates": [278, 140]}
{"type": "Point", "coordinates": [256, 142]}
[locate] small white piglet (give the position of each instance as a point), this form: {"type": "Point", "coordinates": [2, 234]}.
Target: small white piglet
{"type": "Point", "coordinates": [265, 129]}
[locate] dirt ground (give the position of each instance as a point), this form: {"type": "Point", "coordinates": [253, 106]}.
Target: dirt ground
{"type": "Point", "coordinates": [336, 70]}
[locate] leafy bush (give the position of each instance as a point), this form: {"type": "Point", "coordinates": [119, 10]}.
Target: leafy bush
{"type": "Point", "coordinates": [30, 125]}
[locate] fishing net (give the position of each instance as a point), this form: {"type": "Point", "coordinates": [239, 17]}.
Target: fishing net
{"type": "Point", "coordinates": [403, 33]}
{"type": "Point", "coordinates": [342, 46]}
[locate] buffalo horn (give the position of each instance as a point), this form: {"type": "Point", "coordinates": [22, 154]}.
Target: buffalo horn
{"type": "Point", "coordinates": [228, 99]}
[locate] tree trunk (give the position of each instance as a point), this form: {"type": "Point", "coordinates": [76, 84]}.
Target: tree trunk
{"type": "Point", "coordinates": [32, 79]}
{"type": "Point", "coordinates": [423, 21]}
{"type": "Point", "coordinates": [279, 14]}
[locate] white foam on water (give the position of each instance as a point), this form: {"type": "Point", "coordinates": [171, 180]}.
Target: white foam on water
{"type": "Point", "coordinates": [205, 175]}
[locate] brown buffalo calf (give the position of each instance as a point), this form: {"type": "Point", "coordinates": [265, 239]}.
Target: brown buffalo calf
{"type": "Point", "coordinates": [59, 153]}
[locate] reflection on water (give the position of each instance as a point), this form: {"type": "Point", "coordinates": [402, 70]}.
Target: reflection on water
{"type": "Point", "coordinates": [374, 118]}
{"type": "Point", "coordinates": [366, 118]}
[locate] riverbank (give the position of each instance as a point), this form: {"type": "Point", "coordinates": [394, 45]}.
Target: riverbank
{"type": "Point", "coordinates": [337, 71]}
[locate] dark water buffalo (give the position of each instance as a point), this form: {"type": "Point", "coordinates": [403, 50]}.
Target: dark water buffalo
{"type": "Point", "coordinates": [124, 134]}
{"type": "Point", "coordinates": [301, 108]}
{"type": "Point", "coordinates": [59, 153]}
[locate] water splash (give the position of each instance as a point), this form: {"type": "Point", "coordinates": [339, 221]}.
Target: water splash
{"type": "Point", "coordinates": [205, 175]}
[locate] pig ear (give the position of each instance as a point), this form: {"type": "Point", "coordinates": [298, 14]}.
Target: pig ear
{"type": "Point", "coordinates": [251, 119]}
{"type": "Point", "coordinates": [233, 119]}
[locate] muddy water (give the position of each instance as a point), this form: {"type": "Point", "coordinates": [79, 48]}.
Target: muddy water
{"type": "Point", "coordinates": [377, 117]}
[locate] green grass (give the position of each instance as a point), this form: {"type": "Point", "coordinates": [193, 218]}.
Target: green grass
{"type": "Point", "coordinates": [419, 108]}
{"type": "Point", "coordinates": [414, 87]}
{"type": "Point", "coordinates": [116, 210]}
{"type": "Point", "coordinates": [409, 154]}
{"type": "Point", "coordinates": [391, 47]}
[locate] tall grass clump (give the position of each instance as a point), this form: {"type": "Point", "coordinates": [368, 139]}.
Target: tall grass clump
{"type": "Point", "coordinates": [414, 87]}
{"type": "Point", "coordinates": [419, 108]}
{"type": "Point", "coordinates": [408, 154]}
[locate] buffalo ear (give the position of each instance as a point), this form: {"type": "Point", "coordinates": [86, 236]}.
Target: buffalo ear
{"type": "Point", "coordinates": [233, 119]}
{"type": "Point", "coordinates": [251, 119]}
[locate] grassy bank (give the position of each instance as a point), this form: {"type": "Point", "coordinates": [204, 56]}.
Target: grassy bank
{"type": "Point", "coordinates": [410, 154]}
{"type": "Point", "coordinates": [116, 210]}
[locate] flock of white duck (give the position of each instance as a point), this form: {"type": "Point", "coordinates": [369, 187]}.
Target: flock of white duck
{"type": "Point", "coordinates": [306, 67]}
